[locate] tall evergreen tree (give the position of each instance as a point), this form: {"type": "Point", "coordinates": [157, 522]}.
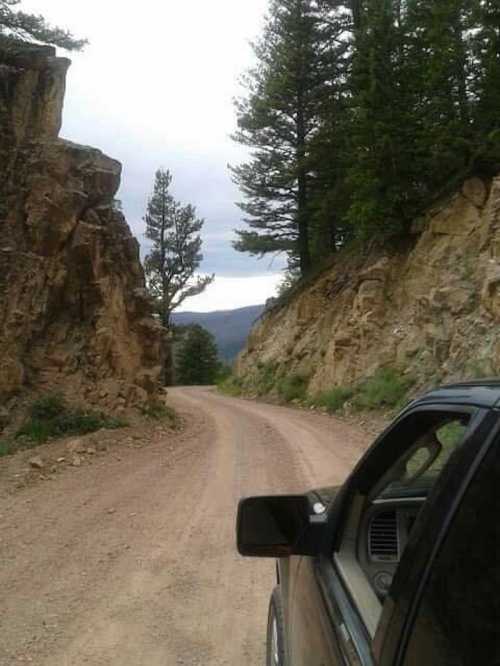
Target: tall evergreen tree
{"type": "Point", "coordinates": [486, 85]}
{"type": "Point", "coordinates": [196, 362]}
{"type": "Point", "coordinates": [30, 27]}
{"type": "Point", "coordinates": [437, 69]}
{"type": "Point", "coordinates": [378, 144]}
{"type": "Point", "coordinates": [329, 149]}
{"type": "Point", "coordinates": [278, 119]}
{"type": "Point", "coordinates": [175, 256]}
{"type": "Point", "coordinates": [400, 102]}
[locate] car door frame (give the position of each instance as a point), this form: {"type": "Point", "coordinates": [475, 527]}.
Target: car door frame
{"type": "Point", "coordinates": [345, 619]}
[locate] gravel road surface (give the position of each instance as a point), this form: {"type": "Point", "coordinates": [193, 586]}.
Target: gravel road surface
{"type": "Point", "coordinates": [131, 561]}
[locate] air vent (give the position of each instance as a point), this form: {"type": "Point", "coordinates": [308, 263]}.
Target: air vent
{"type": "Point", "coordinates": [383, 541]}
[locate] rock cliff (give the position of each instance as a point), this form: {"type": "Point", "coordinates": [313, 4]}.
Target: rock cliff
{"type": "Point", "coordinates": [432, 311]}
{"type": "Point", "coordinates": [74, 315]}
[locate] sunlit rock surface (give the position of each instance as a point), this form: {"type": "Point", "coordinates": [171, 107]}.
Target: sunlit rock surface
{"type": "Point", "coordinates": [74, 315]}
{"type": "Point", "coordinates": [432, 311]}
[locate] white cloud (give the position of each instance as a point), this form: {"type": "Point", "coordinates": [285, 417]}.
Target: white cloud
{"type": "Point", "coordinates": [155, 88]}
{"type": "Point", "coordinates": [228, 293]}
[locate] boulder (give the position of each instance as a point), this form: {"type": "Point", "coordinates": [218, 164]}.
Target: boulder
{"type": "Point", "coordinates": [37, 463]}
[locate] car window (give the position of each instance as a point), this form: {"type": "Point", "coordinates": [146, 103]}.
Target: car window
{"type": "Point", "coordinates": [394, 482]}
{"type": "Point", "coordinates": [457, 618]}
{"type": "Point", "coordinates": [416, 471]}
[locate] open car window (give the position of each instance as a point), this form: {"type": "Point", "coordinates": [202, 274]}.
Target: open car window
{"type": "Point", "coordinates": [416, 471]}
{"type": "Point", "coordinates": [392, 488]}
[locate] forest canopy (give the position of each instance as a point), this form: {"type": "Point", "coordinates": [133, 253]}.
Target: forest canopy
{"type": "Point", "coordinates": [359, 115]}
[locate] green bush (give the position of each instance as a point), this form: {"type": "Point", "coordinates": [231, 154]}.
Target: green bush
{"type": "Point", "coordinates": [50, 417]}
{"type": "Point", "coordinates": [293, 387]}
{"type": "Point", "coordinates": [231, 386]}
{"type": "Point", "coordinates": [159, 411]}
{"type": "Point", "coordinates": [386, 388]}
{"type": "Point", "coordinates": [334, 399]}
{"type": "Point", "coordinates": [224, 371]}
{"type": "Point", "coordinates": [7, 447]}
{"type": "Point", "coordinates": [48, 407]}
{"type": "Point", "coordinates": [265, 379]}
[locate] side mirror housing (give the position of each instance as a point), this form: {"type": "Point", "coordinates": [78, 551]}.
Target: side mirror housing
{"type": "Point", "coordinates": [278, 526]}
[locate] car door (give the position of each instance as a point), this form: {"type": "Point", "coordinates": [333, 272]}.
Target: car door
{"type": "Point", "coordinates": [455, 609]}
{"type": "Point", "coordinates": [336, 608]}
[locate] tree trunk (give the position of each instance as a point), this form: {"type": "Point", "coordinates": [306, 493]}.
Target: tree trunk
{"type": "Point", "coordinates": [356, 10]}
{"type": "Point", "coordinates": [302, 198]}
{"type": "Point", "coordinates": [168, 362]}
{"type": "Point", "coordinates": [168, 359]}
{"type": "Point", "coordinates": [333, 234]}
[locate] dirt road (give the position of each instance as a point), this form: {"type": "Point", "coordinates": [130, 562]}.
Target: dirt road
{"type": "Point", "coordinates": [131, 561]}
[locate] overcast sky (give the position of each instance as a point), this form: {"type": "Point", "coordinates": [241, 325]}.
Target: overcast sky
{"type": "Point", "coordinates": [155, 88]}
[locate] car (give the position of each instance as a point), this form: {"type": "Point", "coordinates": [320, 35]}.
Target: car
{"type": "Point", "coordinates": [400, 564]}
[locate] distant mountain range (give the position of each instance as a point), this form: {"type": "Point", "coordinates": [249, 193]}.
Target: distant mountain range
{"type": "Point", "coordinates": [230, 328]}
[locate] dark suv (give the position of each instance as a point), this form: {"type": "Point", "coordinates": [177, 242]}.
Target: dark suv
{"type": "Point", "coordinates": [400, 565]}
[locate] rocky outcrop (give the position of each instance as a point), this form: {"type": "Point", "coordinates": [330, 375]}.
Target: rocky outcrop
{"type": "Point", "coordinates": [432, 311]}
{"type": "Point", "coordinates": [74, 315]}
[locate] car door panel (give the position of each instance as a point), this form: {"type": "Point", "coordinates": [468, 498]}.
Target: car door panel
{"type": "Point", "coordinates": [311, 639]}
{"type": "Point", "coordinates": [326, 628]}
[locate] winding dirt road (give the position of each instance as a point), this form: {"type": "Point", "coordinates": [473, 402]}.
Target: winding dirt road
{"type": "Point", "coordinates": [131, 561]}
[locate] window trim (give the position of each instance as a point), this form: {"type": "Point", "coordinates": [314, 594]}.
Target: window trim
{"type": "Point", "coordinates": [351, 573]}
{"type": "Point", "coordinates": [341, 609]}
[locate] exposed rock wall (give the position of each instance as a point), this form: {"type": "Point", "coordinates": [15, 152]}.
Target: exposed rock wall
{"type": "Point", "coordinates": [74, 314]}
{"type": "Point", "coordinates": [432, 311]}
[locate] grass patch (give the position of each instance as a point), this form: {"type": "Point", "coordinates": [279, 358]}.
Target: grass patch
{"type": "Point", "coordinates": [293, 387]}
{"type": "Point", "coordinates": [261, 382]}
{"type": "Point", "coordinates": [334, 399]}
{"type": "Point", "coordinates": [386, 388]}
{"type": "Point", "coordinates": [7, 447]}
{"type": "Point", "coordinates": [232, 386]}
{"type": "Point", "coordinates": [51, 417]}
{"type": "Point", "coordinates": [159, 411]}
{"type": "Point", "coordinates": [265, 379]}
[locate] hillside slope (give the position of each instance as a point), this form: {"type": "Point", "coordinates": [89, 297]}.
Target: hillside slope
{"type": "Point", "coordinates": [230, 328]}
{"type": "Point", "coordinates": [431, 311]}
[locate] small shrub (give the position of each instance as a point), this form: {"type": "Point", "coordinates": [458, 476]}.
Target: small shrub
{"type": "Point", "coordinates": [7, 447]}
{"type": "Point", "coordinates": [265, 379]}
{"type": "Point", "coordinates": [48, 407]}
{"type": "Point", "coordinates": [334, 399]}
{"type": "Point", "coordinates": [159, 411]}
{"type": "Point", "coordinates": [50, 417]}
{"type": "Point", "coordinates": [387, 388]}
{"type": "Point", "coordinates": [232, 386]}
{"type": "Point", "coordinates": [224, 372]}
{"type": "Point", "coordinates": [479, 368]}
{"type": "Point", "coordinates": [293, 387]}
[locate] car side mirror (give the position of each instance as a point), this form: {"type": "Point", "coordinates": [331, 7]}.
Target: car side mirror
{"type": "Point", "coordinates": [279, 526]}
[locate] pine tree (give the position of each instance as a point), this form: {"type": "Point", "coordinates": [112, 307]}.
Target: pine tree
{"type": "Point", "coordinates": [377, 127]}
{"type": "Point", "coordinates": [176, 253]}
{"type": "Point", "coordinates": [486, 86]}
{"type": "Point", "coordinates": [32, 28]}
{"type": "Point", "coordinates": [401, 103]}
{"type": "Point", "coordinates": [330, 149]}
{"type": "Point", "coordinates": [196, 362]}
{"type": "Point", "coordinates": [437, 69]}
{"type": "Point", "coordinates": [278, 119]}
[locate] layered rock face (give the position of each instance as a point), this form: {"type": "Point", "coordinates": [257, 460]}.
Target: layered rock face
{"type": "Point", "coordinates": [433, 311]}
{"type": "Point", "coordinates": [74, 314]}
